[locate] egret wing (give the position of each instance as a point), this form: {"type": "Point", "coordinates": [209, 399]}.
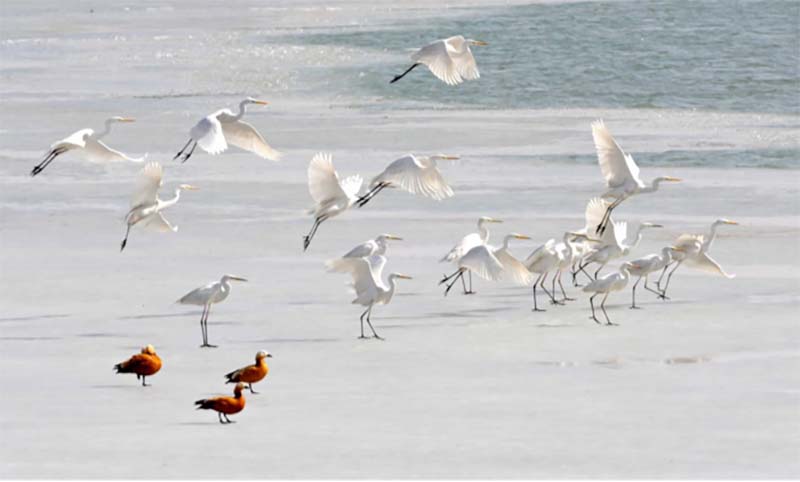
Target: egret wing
{"type": "Point", "coordinates": [362, 250]}
{"type": "Point", "coordinates": [467, 242]}
{"type": "Point", "coordinates": [706, 263]}
{"type": "Point", "coordinates": [159, 223]}
{"type": "Point", "coordinates": [618, 168]}
{"type": "Point", "coordinates": [147, 185]}
{"type": "Point", "coordinates": [245, 136]}
{"type": "Point", "coordinates": [538, 253]}
{"type": "Point", "coordinates": [208, 134]}
{"type": "Point", "coordinates": [417, 176]}
{"type": "Point", "coordinates": [464, 61]}
{"type": "Point", "coordinates": [323, 181]}
{"type": "Point", "coordinates": [437, 58]}
{"type": "Point", "coordinates": [481, 261]}
{"type": "Point", "coordinates": [513, 269]}
{"type": "Point", "coordinates": [199, 296]}
{"type": "Point", "coordinates": [595, 210]}
{"type": "Point", "coordinates": [98, 151]}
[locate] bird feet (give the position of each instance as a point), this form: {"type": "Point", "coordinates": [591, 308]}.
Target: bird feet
{"type": "Point", "coordinates": [634, 307]}
{"type": "Point", "coordinates": [663, 297]}
{"type": "Point", "coordinates": [538, 309]}
{"type": "Point", "coordinates": [611, 323]}
{"type": "Point", "coordinates": [206, 345]}
{"type": "Point", "coordinates": [470, 292]}
{"type": "Point", "coordinates": [556, 302]}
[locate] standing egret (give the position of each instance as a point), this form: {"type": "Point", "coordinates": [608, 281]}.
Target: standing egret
{"type": "Point", "coordinates": [620, 172]}
{"type": "Point", "coordinates": [206, 296]}
{"type": "Point", "coordinates": [481, 260]}
{"type": "Point", "coordinates": [448, 59]}
{"type": "Point", "coordinates": [605, 285]}
{"type": "Point", "coordinates": [567, 255]}
{"type": "Point", "coordinates": [146, 207]}
{"type": "Point", "coordinates": [331, 196]}
{"type": "Point", "coordinates": [372, 247]}
{"type": "Point", "coordinates": [650, 264]}
{"type": "Point", "coordinates": [468, 242]}
{"type": "Point", "coordinates": [88, 144]}
{"type": "Point", "coordinates": [214, 132]}
{"type": "Point", "coordinates": [694, 252]}
{"type": "Point", "coordinates": [542, 261]}
{"type": "Point", "coordinates": [368, 282]}
{"type": "Point", "coordinates": [415, 174]}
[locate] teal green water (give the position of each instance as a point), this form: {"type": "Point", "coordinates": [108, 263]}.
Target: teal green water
{"type": "Point", "coordinates": [709, 55]}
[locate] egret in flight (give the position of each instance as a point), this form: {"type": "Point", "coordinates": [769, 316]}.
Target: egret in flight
{"type": "Point", "coordinates": [491, 263]}
{"type": "Point", "coordinates": [468, 242]}
{"type": "Point", "coordinates": [371, 290]}
{"type": "Point", "coordinates": [620, 172]}
{"type": "Point", "coordinates": [448, 59]}
{"type": "Point", "coordinates": [372, 247]}
{"type": "Point", "coordinates": [206, 296]}
{"type": "Point", "coordinates": [89, 145]}
{"type": "Point", "coordinates": [650, 264]}
{"type": "Point", "coordinates": [331, 195]}
{"type": "Point", "coordinates": [694, 252]}
{"type": "Point", "coordinates": [606, 285]}
{"type": "Point", "coordinates": [214, 132]}
{"type": "Point", "coordinates": [415, 174]}
{"type": "Point", "coordinates": [146, 207]}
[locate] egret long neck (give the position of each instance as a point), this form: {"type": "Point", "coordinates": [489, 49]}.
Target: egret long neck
{"type": "Point", "coordinates": [242, 109]}
{"type": "Point", "coordinates": [506, 240]}
{"type": "Point", "coordinates": [381, 243]}
{"type": "Point", "coordinates": [653, 187]}
{"type": "Point", "coordinates": [106, 130]}
{"type": "Point", "coordinates": [636, 240]}
{"type": "Point", "coordinates": [392, 286]}
{"type": "Point", "coordinates": [483, 231]}
{"type": "Point", "coordinates": [712, 234]}
{"type": "Point", "coordinates": [170, 202]}
{"type": "Point", "coordinates": [568, 244]}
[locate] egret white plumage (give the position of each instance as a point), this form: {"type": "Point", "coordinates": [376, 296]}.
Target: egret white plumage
{"type": "Point", "coordinates": [371, 290]}
{"type": "Point", "coordinates": [450, 60]}
{"type": "Point", "coordinates": [206, 296]}
{"type": "Point", "coordinates": [331, 195]}
{"type": "Point", "coordinates": [542, 261]}
{"type": "Point", "coordinates": [146, 207]}
{"type": "Point", "coordinates": [606, 285]}
{"type": "Point", "coordinates": [484, 261]}
{"type": "Point", "coordinates": [87, 143]}
{"type": "Point", "coordinates": [415, 174]}
{"type": "Point", "coordinates": [694, 252]}
{"type": "Point", "coordinates": [217, 130]}
{"type": "Point", "coordinates": [468, 242]}
{"type": "Point", "coordinates": [620, 172]}
{"type": "Point", "coordinates": [372, 247]}
{"type": "Point", "coordinates": [651, 263]}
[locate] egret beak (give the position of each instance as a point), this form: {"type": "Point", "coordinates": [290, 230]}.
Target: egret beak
{"type": "Point", "coordinates": [493, 220]}
{"type": "Point", "coordinates": [522, 236]}
{"type": "Point", "coordinates": [673, 179]}
{"type": "Point", "coordinates": [237, 278]}
{"type": "Point", "coordinates": [402, 276]}
{"type": "Point", "coordinates": [678, 248]}
{"type": "Point", "coordinates": [392, 236]}
{"type": "Point", "coordinates": [189, 187]}
{"type": "Point", "coordinates": [261, 102]}
{"type": "Point", "coordinates": [127, 119]}
{"type": "Point", "coordinates": [479, 42]}
{"type": "Point", "coordinates": [732, 222]}
{"type": "Point", "coordinates": [449, 158]}
{"type": "Point", "coordinates": [656, 226]}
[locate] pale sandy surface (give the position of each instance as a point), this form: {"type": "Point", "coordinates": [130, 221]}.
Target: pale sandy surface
{"type": "Point", "coordinates": [704, 386]}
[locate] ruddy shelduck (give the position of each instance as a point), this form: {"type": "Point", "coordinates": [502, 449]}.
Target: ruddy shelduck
{"type": "Point", "coordinates": [143, 364]}
{"type": "Point", "coordinates": [251, 373]}
{"type": "Point", "coordinates": [224, 406]}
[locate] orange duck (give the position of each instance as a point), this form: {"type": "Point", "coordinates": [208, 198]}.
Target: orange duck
{"type": "Point", "coordinates": [251, 373]}
{"type": "Point", "coordinates": [224, 406]}
{"type": "Point", "coordinates": [144, 364]}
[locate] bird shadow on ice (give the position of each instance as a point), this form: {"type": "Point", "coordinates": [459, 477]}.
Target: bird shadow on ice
{"type": "Point", "coordinates": [117, 386]}
{"type": "Point", "coordinates": [102, 335]}
{"type": "Point", "coordinates": [161, 315]}
{"type": "Point", "coordinates": [32, 318]}
{"type": "Point", "coordinates": [197, 423]}
{"type": "Point", "coordinates": [286, 340]}
{"type": "Point", "coordinates": [29, 338]}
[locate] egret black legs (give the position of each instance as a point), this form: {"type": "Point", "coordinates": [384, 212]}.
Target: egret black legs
{"type": "Point", "coordinates": [307, 238]}
{"type": "Point", "coordinates": [47, 160]}
{"type": "Point", "coordinates": [204, 327]}
{"type": "Point", "coordinates": [371, 194]}
{"type": "Point", "coordinates": [125, 240]}
{"type": "Point", "coordinates": [183, 149]}
{"type": "Point", "coordinates": [398, 77]}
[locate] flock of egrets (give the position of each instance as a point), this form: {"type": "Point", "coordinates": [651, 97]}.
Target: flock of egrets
{"type": "Point", "coordinates": [599, 242]}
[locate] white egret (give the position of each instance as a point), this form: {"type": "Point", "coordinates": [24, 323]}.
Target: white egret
{"type": "Point", "coordinates": [694, 252]}
{"type": "Point", "coordinates": [415, 174]}
{"type": "Point", "coordinates": [331, 195]}
{"type": "Point", "coordinates": [468, 242]}
{"type": "Point", "coordinates": [650, 264]}
{"type": "Point", "coordinates": [620, 172]}
{"type": "Point", "coordinates": [214, 132]}
{"type": "Point", "coordinates": [146, 207]}
{"type": "Point", "coordinates": [606, 285]}
{"type": "Point", "coordinates": [372, 247]}
{"type": "Point", "coordinates": [567, 255]}
{"type": "Point", "coordinates": [206, 296]}
{"type": "Point", "coordinates": [87, 143]}
{"type": "Point", "coordinates": [484, 259]}
{"type": "Point", "coordinates": [448, 59]}
{"type": "Point", "coordinates": [368, 282]}
{"type": "Point", "coordinates": [542, 261]}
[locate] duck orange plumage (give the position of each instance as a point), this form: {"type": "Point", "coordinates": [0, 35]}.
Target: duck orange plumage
{"type": "Point", "coordinates": [224, 406]}
{"type": "Point", "coordinates": [143, 364]}
{"type": "Point", "coordinates": [251, 373]}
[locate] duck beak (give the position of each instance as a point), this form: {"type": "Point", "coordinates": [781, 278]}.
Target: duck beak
{"type": "Point", "coordinates": [269, 355]}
